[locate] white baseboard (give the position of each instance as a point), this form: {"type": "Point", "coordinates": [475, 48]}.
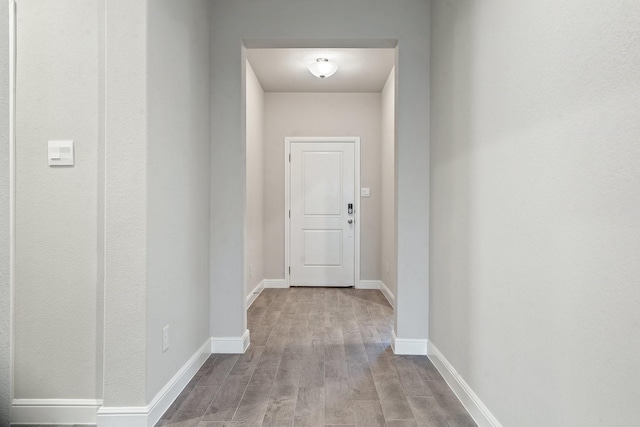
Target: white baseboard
{"type": "Point", "coordinates": [254, 293]}
{"type": "Point", "coordinates": [230, 345]}
{"type": "Point", "coordinates": [148, 416]}
{"type": "Point", "coordinates": [368, 284]}
{"type": "Point", "coordinates": [54, 411]}
{"type": "Point", "coordinates": [480, 413]}
{"type": "Point", "coordinates": [388, 294]}
{"type": "Point", "coordinates": [408, 346]}
{"type": "Point", "coordinates": [378, 284]}
{"type": "Point", "coordinates": [135, 416]}
{"type": "Point", "coordinates": [274, 284]}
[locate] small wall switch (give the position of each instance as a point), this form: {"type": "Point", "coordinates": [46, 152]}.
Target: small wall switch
{"type": "Point", "coordinates": [165, 338]}
{"type": "Point", "coordinates": [365, 192]}
{"type": "Point", "coordinates": [61, 153]}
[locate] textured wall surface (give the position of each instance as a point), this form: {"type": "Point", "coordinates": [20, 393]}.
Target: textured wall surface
{"type": "Point", "coordinates": [349, 23]}
{"type": "Point", "coordinates": [322, 114]}
{"type": "Point", "coordinates": [255, 181]}
{"type": "Point", "coordinates": [125, 313]}
{"type": "Point", "coordinates": [56, 207]}
{"type": "Point", "coordinates": [5, 310]}
{"type": "Point", "coordinates": [536, 199]}
{"type": "Point", "coordinates": [177, 185]}
{"type": "Point", "coordinates": [388, 265]}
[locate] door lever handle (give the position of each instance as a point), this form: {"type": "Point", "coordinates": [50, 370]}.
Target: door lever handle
{"type": "Point", "coordinates": [350, 221]}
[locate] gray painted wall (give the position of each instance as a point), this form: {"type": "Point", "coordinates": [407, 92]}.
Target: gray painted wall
{"type": "Point", "coordinates": [5, 297]}
{"type": "Point", "coordinates": [350, 23]}
{"type": "Point", "coordinates": [125, 287]}
{"type": "Point", "coordinates": [177, 185]}
{"type": "Point", "coordinates": [154, 194]}
{"type": "Point", "coordinates": [388, 263]}
{"type": "Point", "coordinates": [322, 114]}
{"type": "Point", "coordinates": [56, 208]}
{"type": "Point", "coordinates": [536, 200]}
{"type": "Point", "coordinates": [255, 181]}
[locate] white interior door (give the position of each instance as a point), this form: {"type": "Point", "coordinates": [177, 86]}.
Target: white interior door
{"type": "Point", "coordinates": [322, 227]}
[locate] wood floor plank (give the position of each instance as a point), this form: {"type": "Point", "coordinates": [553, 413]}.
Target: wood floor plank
{"type": "Point", "coordinates": [289, 371]}
{"type": "Point", "coordinates": [333, 335]}
{"type": "Point", "coordinates": [250, 414]}
{"type": "Point", "coordinates": [256, 393]}
{"type": "Point", "coordinates": [395, 405]}
{"type": "Point", "coordinates": [225, 403]}
{"type": "Point", "coordinates": [355, 352]}
{"type": "Point", "coordinates": [281, 406]}
{"type": "Point", "coordinates": [318, 357]}
{"type": "Point", "coordinates": [206, 367]}
{"type": "Point", "coordinates": [402, 423]}
{"type": "Point", "coordinates": [338, 401]}
{"type": "Point", "coordinates": [309, 410]}
{"type": "Point", "coordinates": [334, 352]}
{"type": "Point", "coordinates": [218, 371]}
{"type": "Point", "coordinates": [427, 411]}
{"type": "Point", "coordinates": [248, 361]}
{"type": "Point", "coordinates": [438, 387]}
{"type": "Point", "coordinates": [425, 369]}
{"type": "Point", "coordinates": [196, 403]}
{"type": "Point", "coordinates": [337, 369]}
{"type": "Point", "coordinates": [380, 360]}
{"type": "Point", "coordinates": [169, 423]}
{"type": "Point", "coordinates": [312, 374]}
{"type": "Point", "coordinates": [450, 404]}
{"type": "Point", "coordinates": [218, 424]}
{"type": "Point", "coordinates": [411, 382]}
{"type": "Point", "coordinates": [369, 333]}
{"type": "Point", "coordinates": [460, 420]}
{"type": "Point", "coordinates": [368, 413]}
{"type": "Point", "coordinates": [361, 382]}
{"type": "Point", "coordinates": [260, 334]}
{"type": "Point", "coordinates": [265, 373]}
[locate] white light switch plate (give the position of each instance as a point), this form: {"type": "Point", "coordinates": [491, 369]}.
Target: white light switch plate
{"type": "Point", "coordinates": [61, 153]}
{"type": "Point", "coordinates": [365, 192]}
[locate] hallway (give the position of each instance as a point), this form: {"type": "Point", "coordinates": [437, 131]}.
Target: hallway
{"type": "Point", "coordinates": [318, 356]}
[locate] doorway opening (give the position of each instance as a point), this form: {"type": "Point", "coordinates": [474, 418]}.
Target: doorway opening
{"type": "Point", "coordinates": [284, 101]}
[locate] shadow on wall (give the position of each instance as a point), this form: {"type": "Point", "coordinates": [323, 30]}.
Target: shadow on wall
{"type": "Point", "coordinates": [450, 293]}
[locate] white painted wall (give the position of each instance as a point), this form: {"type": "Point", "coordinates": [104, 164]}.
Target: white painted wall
{"type": "Point", "coordinates": [322, 114]}
{"type": "Point", "coordinates": [5, 300]}
{"type": "Point", "coordinates": [56, 211]}
{"type": "Point", "coordinates": [351, 23]}
{"type": "Point", "coordinates": [536, 199]}
{"type": "Point", "coordinates": [177, 185]}
{"type": "Point", "coordinates": [255, 181]}
{"type": "Point", "coordinates": [388, 264]}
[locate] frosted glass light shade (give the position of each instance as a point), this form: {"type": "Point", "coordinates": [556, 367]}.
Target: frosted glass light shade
{"type": "Point", "coordinates": [322, 68]}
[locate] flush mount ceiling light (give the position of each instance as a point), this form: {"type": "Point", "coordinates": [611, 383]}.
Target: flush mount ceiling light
{"type": "Point", "coordinates": [322, 68]}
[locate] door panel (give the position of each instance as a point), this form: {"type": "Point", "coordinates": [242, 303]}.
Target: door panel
{"type": "Point", "coordinates": [322, 248]}
{"type": "Point", "coordinates": [322, 173]}
{"type": "Point", "coordinates": [322, 185]}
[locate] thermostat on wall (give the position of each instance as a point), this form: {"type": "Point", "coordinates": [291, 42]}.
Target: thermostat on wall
{"type": "Point", "coordinates": [365, 192]}
{"type": "Point", "coordinates": [61, 153]}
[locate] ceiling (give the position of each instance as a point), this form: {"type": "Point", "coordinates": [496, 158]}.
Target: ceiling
{"type": "Point", "coordinates": [285, 70]}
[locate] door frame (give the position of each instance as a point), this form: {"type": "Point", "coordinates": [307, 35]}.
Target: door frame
{"type": "Point", "coordinates": [355, 140]}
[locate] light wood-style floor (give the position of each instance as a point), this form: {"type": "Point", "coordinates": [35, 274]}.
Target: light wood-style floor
{"type": "Point", "coordinates": [318, 357]}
